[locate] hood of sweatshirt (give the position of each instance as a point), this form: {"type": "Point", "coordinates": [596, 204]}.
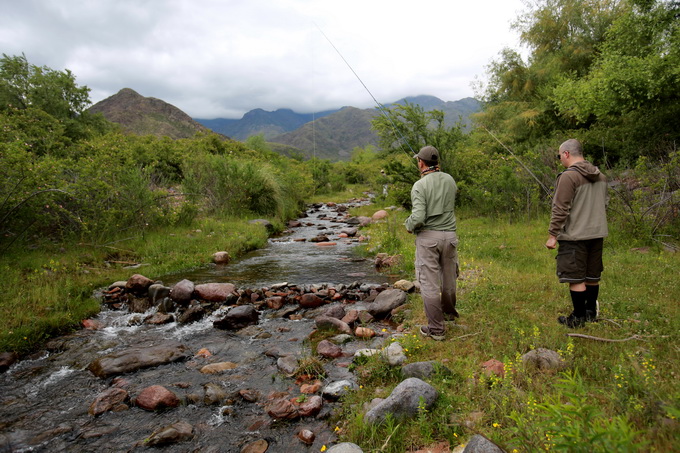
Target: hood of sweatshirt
{"type": "Point", "coordinates": [588, 170]}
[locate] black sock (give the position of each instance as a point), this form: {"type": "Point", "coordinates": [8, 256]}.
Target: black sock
{"type": "Point", "coordinates": [592, 291]}
{"type": "Point", "coordinates": [578, 300]}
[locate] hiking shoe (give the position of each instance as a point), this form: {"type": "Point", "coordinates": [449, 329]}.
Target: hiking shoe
{"type": "Point", "coordinates": [571, 321]}
{"type": "Point", "coordinates": [425, 331]}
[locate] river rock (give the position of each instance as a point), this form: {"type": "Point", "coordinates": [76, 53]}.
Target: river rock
{"type": "Point", "coordinates": [306, 436]}
{"type": "Point", "coordinates": [138, 284]}
{"type": "Point", "coordinates": [311, 301]}
{"type": "Point", "coordinates": [221, 258]}
{"type": "Point", "coordinates": [138, 304]}
{"type": "Point", "coordinates": [326, 323]}
{"type": "Point", "coordinates": [282, 408]}
{"type": "Point", "coordinates": [350, 231]}
{"type": "Point", "coordinates": [543, 359]}
{"type": "Point", "coordinates": [275, 302]}
{"type": "Point", "coordinates": [386, 301]}
{"type": "Point", "coordinates": [156, 397]}
{"type": "Point", "coordinates": [404, 401]}
{"type": "Point", "coordinates": [404, 285]}
{"type": "Point", "coordinates": [194, 313]}
{"type": "Point", "coordinates": [7, 359]}
{"type": "Point", "coordinates": [335, 390]}
{"type": "Point", "coordinates": [494, 367]}
{"type": "Point", "coordinates": [335, 311]}
{"type": "Point", "coordinates": [216, 292]}
{"type": "Point", "coordinates": [379, 215]}
{"type": "Point", "coordinates": [137, 357]}
{"type": "Point", "coordinates": [238, 317]}
{"type": "Point", "coordinates": [287, 364]}
{"type": "Point", "coordinates": [159, 318]}
{"type": "Point", "coordinates": [345, 447]}
{"type": "Point", "coordinates": [182, 291]}
{"type": "Point", "coordinates": [213, 394]}
{"type": "Point", "coordinates": [107, 400]}
{"type": "Point", "coordinates": [480, 444]}
{"type": "Point", "coordinates": [157, 292]}
{"type": "Point", "coordinates": [256, 446]}
{"type": "Point", "coordinates": [172, 434]}
{"type": "Point", "coordinates": [424, 370]}
{"type": "Point", "coordinates": [329, 350]}
{"type": "Point", "coordinates": [364, 332]}
{"type": "Point", "coordinates": [215, 368]}
{"type": "Point", "coordinates": [394, 354]}
{"type": "Point", "coordinates": [310, 406]}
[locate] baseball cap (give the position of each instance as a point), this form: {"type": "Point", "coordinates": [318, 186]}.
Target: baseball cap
{"type": "Point", "coordinates": [428, 153]}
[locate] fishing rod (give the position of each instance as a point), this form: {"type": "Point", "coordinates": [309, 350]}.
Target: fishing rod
{"type": "Point", "coordinates": [380, 106]}
{"type": "Point", "coordinates": [520, 162]}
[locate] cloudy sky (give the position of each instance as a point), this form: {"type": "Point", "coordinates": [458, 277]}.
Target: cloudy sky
{"type": "Point", "coordinates": [222, 58]}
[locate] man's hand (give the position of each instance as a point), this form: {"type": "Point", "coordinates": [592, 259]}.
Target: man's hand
{"type": "Point", "coordinates": [551, 243]}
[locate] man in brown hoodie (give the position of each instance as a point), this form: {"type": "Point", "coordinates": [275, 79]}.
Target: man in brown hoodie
{"type": "Point", "coordinates": [579, 225]}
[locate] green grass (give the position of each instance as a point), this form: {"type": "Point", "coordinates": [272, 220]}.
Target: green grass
{"type": "Point", "coordinates": [48, 291]}
{"type": "Point", "coordinates": [621, 396]}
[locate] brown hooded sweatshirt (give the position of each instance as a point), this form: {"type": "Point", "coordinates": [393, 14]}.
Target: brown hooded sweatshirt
{"type": "Point", "coordinates": [579, 204]}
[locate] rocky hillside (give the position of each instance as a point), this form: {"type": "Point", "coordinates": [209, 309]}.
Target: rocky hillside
{"type": "Point", "coordinates": [146, 116]}
{"type": "Point", "coordinates": [334, 136]}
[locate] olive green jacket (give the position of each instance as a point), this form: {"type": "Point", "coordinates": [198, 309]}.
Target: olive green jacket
{"type": "Point", "coordinates": [433, 198]}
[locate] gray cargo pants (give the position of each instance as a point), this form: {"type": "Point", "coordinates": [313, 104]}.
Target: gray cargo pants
{"type": "Point", "coordinates": [437, 271]}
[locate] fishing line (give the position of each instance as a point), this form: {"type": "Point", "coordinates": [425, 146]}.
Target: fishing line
{"type": "Point", "coordinates": [380, 106]}
{"type": "Point", "coordinates": [521, 163]}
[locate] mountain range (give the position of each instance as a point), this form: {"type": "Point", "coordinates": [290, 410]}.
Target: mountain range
{"type": "Point", "coordinates": [330, 134]}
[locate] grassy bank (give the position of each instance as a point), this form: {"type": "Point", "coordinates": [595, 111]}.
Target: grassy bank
{"type": "Point", "coordinates": [49, 290]}
{"type": "Point", "coordinates": [612, 396]}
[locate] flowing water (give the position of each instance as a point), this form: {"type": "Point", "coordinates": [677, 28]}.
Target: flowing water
{"type": "Point", "coordinates": [44, 399]}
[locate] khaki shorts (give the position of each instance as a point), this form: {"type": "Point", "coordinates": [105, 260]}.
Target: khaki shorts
{"type": "Point", "coordinates": [579, 261]}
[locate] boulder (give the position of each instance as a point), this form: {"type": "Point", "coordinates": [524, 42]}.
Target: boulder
{"type": "Point", "coordinates": [221, 258]}
{"type": "Point", "coordinates": [138, 284]}
{"type": "Point", "coordinates": [311, 300]}
{"type": "Point", "coordinates": [424, 370]}
{"type": "Point", "coordinates": [480, 444]}
{"type": "Point", "coordinates": [238, 318]}
{"type": "Point", "coordinates": [158, 292]}
{"type": "Point", "coordinates": [137, 357]}
{"type": "Point", "coordinates": [216, 292]}
{"type": "Point", "coordinates": [543, 359]}
{"type": "Point", "coordinates": [182, 292]}
{"type": "Point", "coordinates": [386, 301]}
{"type": "Point", "coordinates": [404, 401]}
{"type": "Point", "coordinates": [326, 323]}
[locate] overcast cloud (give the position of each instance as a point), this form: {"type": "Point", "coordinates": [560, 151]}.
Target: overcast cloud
{"type": "Point", "coordinates": [213, 58]}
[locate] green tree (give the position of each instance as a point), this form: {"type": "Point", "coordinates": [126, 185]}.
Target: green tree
{"type": "Point", "coordinates": [632, 88]}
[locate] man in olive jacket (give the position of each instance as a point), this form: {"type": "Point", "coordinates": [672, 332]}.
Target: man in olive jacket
{"type": "Point", "coordinates": [433, 220]}
{"type": "Point", "coordinates": [579, 225]}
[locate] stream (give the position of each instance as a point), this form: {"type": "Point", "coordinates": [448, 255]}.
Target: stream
{"type": "Point", "coordinates": [45, 400]}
